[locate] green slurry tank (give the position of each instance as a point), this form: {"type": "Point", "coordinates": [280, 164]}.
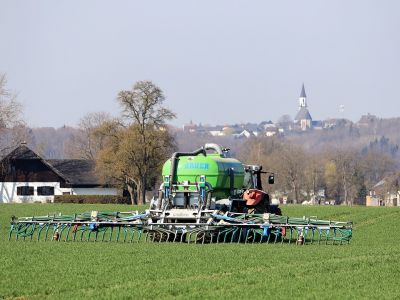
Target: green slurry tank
{"type": "Point", "coordinates": [223, 173]}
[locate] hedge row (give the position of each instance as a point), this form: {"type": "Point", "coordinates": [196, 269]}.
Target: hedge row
{"type": "Point", "coordinates": [94, 199]}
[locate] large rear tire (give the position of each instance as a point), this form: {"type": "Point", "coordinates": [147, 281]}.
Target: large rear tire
{"type": "Point", "coordinates": [274, 209]}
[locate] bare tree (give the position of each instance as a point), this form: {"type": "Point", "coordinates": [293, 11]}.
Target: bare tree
{"type": "Point", "coordinates": [347, 170]}
{"type": "Point", "coordinates": [314, 174]}
{"type": "Point", "coordinates": [375, 166]}
{"type": "Point", "coordinates": [12, 128]}
{"type": "Point", "coordinates": [285, 122]}
{"type": "Point", "coordinates": [89, 141]}
{"type": "Point", "coordinates": [331, 178]}
{"type": "Point", "coordinates": [292, 163]}
{"type": "Point", "coordinates": [136, 148]}
{"type": "Point", "coordinates": [10, 108]}
{"type": "Point", "coordinates": [143, 105]}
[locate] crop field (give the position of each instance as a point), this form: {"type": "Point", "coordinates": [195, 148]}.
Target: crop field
{"type": "Point", "coordinates": [369, 267]}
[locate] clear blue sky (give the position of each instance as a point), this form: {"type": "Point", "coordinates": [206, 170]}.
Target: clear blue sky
{"type": "Point", "coordinates": [217, 61]}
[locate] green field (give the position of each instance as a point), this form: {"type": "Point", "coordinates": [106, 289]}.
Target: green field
{"type": "Point", "coordinates": [369, 267]}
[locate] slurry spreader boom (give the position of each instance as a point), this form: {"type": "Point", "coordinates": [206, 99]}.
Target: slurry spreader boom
{"type": "Point", "coordinates": [205, 197]}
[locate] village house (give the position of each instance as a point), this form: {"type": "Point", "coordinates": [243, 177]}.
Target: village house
{"type": "Point", "coordinates": [270, 129]}
{"type": "Point", "coordinates": [27, 177]}
{"type": "Point", "coordinates": [191, 127]}
{"type": "Point", "coordinates": [385, 193]}
{"type": "Point", "coordinates": [367, 120]}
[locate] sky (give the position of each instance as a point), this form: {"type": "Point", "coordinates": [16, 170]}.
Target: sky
{"type": "Point", "coordinates": [218, 62]}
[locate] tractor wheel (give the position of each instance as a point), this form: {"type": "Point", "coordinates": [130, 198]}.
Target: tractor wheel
{"type": "Point", "coordinates": [274, 209]}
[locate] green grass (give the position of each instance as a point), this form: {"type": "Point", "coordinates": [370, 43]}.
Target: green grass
{"type": "Point", "coordinates": [368, 267]}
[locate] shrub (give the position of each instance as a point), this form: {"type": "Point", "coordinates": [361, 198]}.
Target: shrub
{"type": "Point", "coordinates": [92, 199]}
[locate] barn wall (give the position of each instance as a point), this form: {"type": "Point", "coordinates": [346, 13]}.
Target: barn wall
{"type": "Point", "coordinates": [372, 201]}
{"type": "Point", "coordinates": [8, 192]}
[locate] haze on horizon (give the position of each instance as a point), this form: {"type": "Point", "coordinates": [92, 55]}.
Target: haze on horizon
{"type": "Point", "coordinates": [217, 62]}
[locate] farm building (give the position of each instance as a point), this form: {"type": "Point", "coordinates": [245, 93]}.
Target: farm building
{"type": "Point", "coordinates": [27, 177]}
{"type": "Point", "coordinates": [385, 193]}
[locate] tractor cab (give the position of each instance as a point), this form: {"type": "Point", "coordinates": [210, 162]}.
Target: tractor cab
{"type": "Point", "coordinates": [252, 177]}
{"type": "Point", "coordinates": [254, 198]}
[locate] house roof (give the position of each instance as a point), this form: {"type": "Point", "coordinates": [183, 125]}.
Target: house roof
{"type": "Point", "coordinates": [303, 114]}
{"type": "Point", "coordinates": [251, 127]}
{"type": "Point", "coordinates": [213, 128]}
{"type": "Point", "coordinates": [367, 119]}
{"type": "Point", "coordinates": [76, 171]}
{"type": "Point", "coordinates": [379, 184]}
{"type": "Point", "coordinates": [266, 122]}
{"type": "Point", "coordinates": [392, 180]}
{"type": "Point", "coordinates": [317, 123]}
{"type": "Point", "coordinates": [73, 171]}
{"type": "Point", "coordinates": [22, 152]}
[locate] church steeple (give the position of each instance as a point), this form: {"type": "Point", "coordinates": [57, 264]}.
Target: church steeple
{"type": "Point", "coordinates": [302, 98]}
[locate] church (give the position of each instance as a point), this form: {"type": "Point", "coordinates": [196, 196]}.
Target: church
{"type": "Point", "coordinates": [303, 120]}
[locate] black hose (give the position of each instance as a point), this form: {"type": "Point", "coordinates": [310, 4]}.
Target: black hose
{"type": "Point", "coordinates": [209, 195]}
{"type": "Point", "coordinates": [231, 181]}
{"type": "Point", "coordinates": [208, 202]}
{"type": "Point", "coordinates": [160, 198]}
{"type": "Point", "coordinates": [175, 157]}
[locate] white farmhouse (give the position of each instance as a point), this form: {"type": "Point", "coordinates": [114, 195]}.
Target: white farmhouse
{"type": "Point", "coordinates": [27, 177]}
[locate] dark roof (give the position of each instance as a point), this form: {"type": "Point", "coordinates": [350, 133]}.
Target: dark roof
{"type": "Point", "coordinates": [383, 185]}
{"type": "Point", "coordinates": [251, 127]}
{"type": "Point", "coordinates": [303, 114]}
{"type": "Point", "coordinates": [303, 92]}
{"type": "Point", "coordinates": [317, 123]}
{"type": "Point", "coordinates": [266, 122]}
{"type": "Point", "coordinates": [76, 171]}
{"type": "Point", "coordinates": [213, 128]}
{"type": "Point", "coordinates": [367, 119]}
{"type": "Point", "coordinates": [73, 171]}
{"type": "Point", "coordinates": [22, 152]}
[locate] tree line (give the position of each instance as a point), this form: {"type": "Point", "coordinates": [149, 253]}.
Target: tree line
{"type": "Point", "coordinates": [343, 174]}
